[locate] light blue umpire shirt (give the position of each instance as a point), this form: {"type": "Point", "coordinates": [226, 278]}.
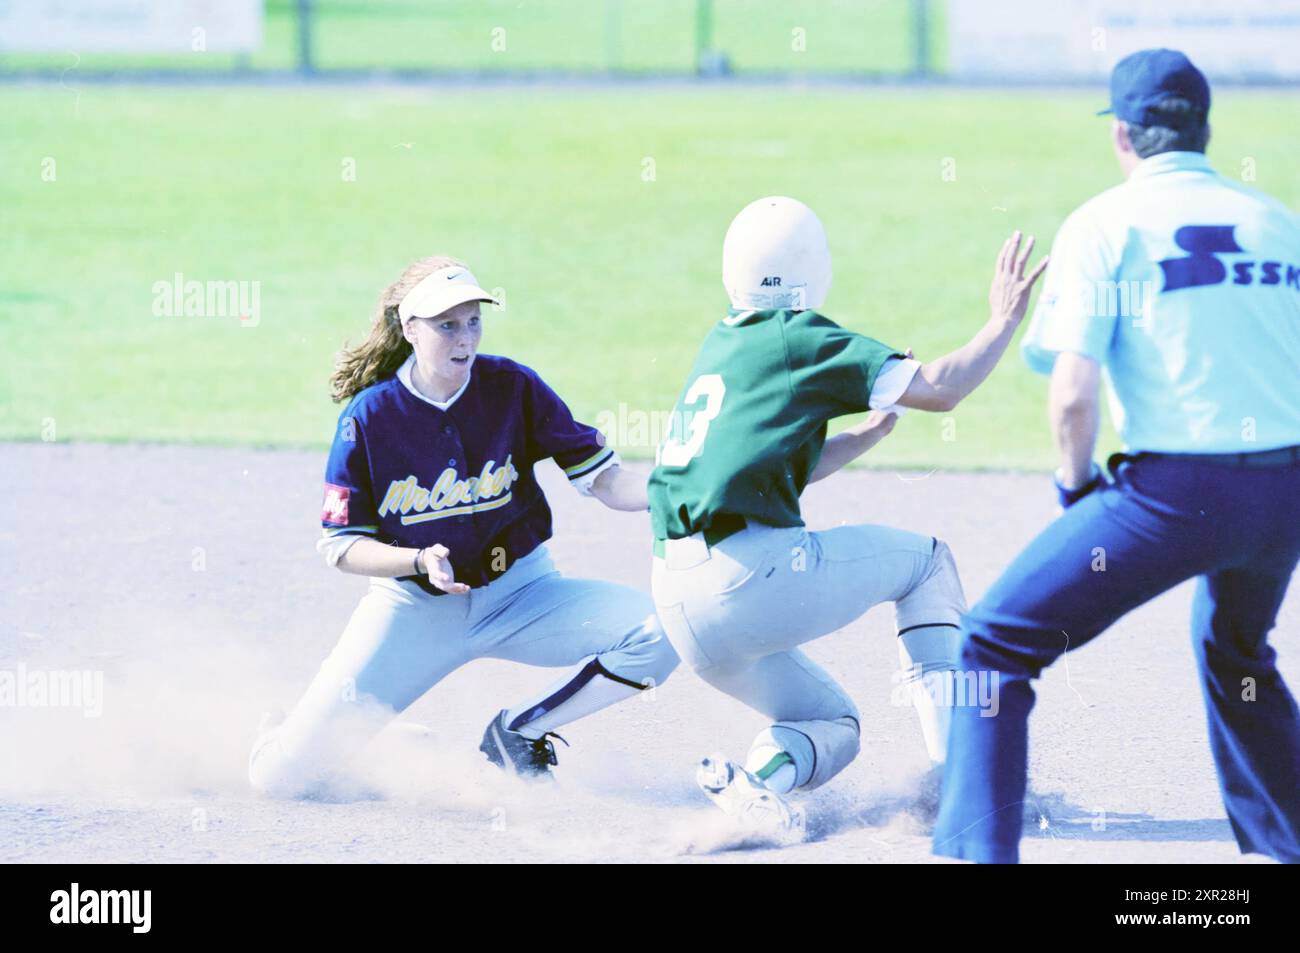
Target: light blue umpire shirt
{"type": "Point", "coordinates": [1185, 287]}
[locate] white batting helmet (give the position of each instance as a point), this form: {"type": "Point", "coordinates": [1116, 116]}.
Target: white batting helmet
{"type": "Point", "coordinates": [775, 255]}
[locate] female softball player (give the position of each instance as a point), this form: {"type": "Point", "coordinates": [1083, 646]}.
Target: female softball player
{"type": "Point", "coordinates": [429, 490]}
{"type": "Point", "coordinates": [738, 581]}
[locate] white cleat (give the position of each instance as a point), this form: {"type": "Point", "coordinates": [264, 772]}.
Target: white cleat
{"type": "Point", "coordinates": [743, 796]}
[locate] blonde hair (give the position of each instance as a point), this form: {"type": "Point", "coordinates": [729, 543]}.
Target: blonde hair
{"type": "Point", "coordinates": [382, 353]}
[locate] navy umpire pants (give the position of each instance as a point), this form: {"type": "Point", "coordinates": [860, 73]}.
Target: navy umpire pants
{"type": "Point", "coordinates": [1164, 520]}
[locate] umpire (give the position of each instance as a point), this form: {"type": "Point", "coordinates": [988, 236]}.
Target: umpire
{"type": "Point", "coordinates": [1185, 287]}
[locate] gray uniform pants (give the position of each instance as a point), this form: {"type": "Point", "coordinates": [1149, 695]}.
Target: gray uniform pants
{"type": "Point", "coordinates": [736, 612]}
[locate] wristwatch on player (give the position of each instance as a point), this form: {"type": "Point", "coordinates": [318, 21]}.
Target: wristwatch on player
{"type": "Point", "coordinates": [1068, 498]}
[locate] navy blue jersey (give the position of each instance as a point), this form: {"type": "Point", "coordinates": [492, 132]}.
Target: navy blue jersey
{"type": "Point", "coordinates": [409, 474]}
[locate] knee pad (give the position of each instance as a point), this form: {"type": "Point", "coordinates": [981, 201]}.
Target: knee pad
{"type": "Point", "coordinates": [819, 750]}
{"type": "Point", "coordinates": [938, 598]}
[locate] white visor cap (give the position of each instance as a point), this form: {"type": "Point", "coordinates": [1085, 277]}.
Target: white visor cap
{"type": "Point", "coordinates": [442, 291]}
{"type": "Point", "coordinates": [776, 256]}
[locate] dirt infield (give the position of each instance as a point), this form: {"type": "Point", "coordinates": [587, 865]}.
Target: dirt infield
{"type": "Point", "coordinates": [180, 589]}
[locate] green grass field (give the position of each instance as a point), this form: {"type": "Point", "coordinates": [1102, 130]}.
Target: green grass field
{"type": "Point", "coordinates": [611, 276]}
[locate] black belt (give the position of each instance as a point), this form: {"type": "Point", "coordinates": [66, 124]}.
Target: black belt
{"type": "Point", "coordinates": [723, 525]}
{"type": "Point", "coordinates": [1283, 456]}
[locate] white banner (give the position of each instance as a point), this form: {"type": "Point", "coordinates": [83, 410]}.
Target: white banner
{"type": "Point", "coordinates": [130, 26]}
{"type": "Point", "coordinates": [1081, 39]}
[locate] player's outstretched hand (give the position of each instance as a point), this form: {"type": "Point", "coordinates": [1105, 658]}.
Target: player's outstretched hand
{"type": "Point", "coordinates": [437, 562]}
{"type": "Point", "coordinates": [1011, 288]}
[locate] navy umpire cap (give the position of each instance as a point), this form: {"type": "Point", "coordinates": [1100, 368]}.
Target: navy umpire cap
{"type": "Point", "coordinates": [1141, 80]}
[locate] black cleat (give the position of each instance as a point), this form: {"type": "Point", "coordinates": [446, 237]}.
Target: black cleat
{"type": "Point", "coordinates": [515, 754]}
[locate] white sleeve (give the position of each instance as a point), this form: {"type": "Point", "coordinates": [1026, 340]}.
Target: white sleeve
{"type": "Point", "coordinates": [583, 483]}
{"type": "Point", "coordinates": [333, 547]}
{"type": "Point", "coordinates": [892, 382]}
{"type": "Point", "coordinates": [1067, 317]}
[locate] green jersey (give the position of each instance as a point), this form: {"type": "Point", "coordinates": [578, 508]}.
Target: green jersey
{"type": "Point", "coordinates": [749, 426]}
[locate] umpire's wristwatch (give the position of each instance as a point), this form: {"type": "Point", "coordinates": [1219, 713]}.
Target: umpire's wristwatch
{"type": "Point", "coordinates": [1068, 498]}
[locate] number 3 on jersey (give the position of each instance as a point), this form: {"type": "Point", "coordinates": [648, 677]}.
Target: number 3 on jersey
{"type": "Point", "coordinates": [711, 389]}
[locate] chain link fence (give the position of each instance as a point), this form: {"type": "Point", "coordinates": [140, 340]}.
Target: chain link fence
{"type": "Point", "coordinates": [503, 38]}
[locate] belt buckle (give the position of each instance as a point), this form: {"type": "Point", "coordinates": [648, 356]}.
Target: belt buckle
{"type": "Point", "coordinates": [686, 553]}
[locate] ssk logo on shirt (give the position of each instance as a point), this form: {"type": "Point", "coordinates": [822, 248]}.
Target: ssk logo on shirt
{"type": "Point", "coordinates": [102, 907]}
{"type": "Point", "coordinates": [335, 508]}
{"type": "Point", "coordinates": [1201, 265]}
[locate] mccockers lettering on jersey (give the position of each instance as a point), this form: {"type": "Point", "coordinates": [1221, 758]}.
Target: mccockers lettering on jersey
{"type": "Point", "coordinates": [449, 496]}
{"type": "Point", "coordinates": [400, 466]}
